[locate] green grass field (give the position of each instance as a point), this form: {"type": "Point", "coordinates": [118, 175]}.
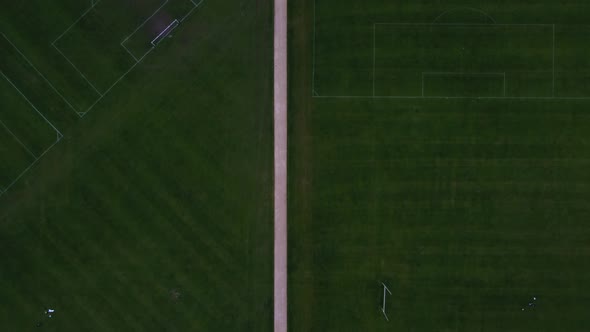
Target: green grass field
{"type": "Point", "coordinates": [153, 212]}
{"type": "Point", "coordinates": [464, 189]}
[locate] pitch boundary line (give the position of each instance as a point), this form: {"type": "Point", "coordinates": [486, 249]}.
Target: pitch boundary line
{"type": "Point", "coordinates": [43, 76]}
{"type": "Point", "coordinates": [30, 103]}
{"type": "Point", "coordinates": [553, 91]}
{"type": "Point", "coordinates": [375, 59]}
{"type": "Point", "coordinates": [10, 185]}
{"type": "Point", "coordinates": [139, 27]}
{"type": "Point", "coordinates": [313, 55]}
{"type": "Point", "coordinates": [466, 24]}
{"type": "Point", "coordinates": [447, 97]}
{"type": "Point", "coordinates": [17, 139]}
{"type": "Point", "coordinates": [38, 72]}
{"type": "Point", "coordinates": [130, 53]}
{"type": "Point", "coordinates": [467, 74]}
{"type": "Point", "coordinates": [78, 70]}
{"type": "Point", "coordinates": [117, 81]}
{"type": "Point", "coordinates": [59, 136]}
{"type": "Point", "coordinates": [192, 10]}
{"type": "Point", "coordinates": [92, 5]}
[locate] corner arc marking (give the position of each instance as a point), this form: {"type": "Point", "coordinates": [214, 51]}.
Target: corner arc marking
{"type": "Point", "coordinates": [464, 8]}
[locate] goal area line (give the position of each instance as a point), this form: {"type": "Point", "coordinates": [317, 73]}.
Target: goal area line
{"type": "Point", "coordinates": [501, 75]}
{"type": "Point", "coordinates": [509, 86]}
{"type": "Point", "coordinates": [139, 27]}
{"type": "Point", "coordinates": [502, 93]}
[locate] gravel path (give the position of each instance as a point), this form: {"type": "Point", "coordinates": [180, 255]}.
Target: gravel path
{"type": "Point", "coordinates": [280, 170]}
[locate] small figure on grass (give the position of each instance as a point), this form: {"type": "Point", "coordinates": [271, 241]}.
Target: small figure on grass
{"type": "Point", "coordinates": [175, 294]}
{"type": "Point", "coordinates": [49, 312]}
{"type": "Point", "coordinates": [531, 304]}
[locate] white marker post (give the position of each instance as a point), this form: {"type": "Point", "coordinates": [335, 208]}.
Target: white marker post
{"type": "Point", "coordinates": [385, 289]}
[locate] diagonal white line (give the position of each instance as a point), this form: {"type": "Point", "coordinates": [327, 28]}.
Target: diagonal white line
{"type": "Point", "coordinates": [17, 139]}
{"type": "Point", "coordinates": [76, 21]}
{"type": "Point", "coordinates": [30, 103]}
{"type": "Point", "coordinates": [38, 72]}
{"type": "Point", "coordinates": [78, 70]}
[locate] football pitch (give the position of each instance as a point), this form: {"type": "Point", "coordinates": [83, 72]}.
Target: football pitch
{"type": "Point", "coordinates": [441, 150]}
{"type": "Point", "coordinates": [438, 160]}
{"type": "Point", "coordinates": [136, 165]}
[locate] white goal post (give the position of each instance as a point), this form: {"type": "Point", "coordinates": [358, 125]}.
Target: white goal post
{"type": "Point", "coordinates": [165, 32]}
{"type": "Point", "coordinates": [385, 289]}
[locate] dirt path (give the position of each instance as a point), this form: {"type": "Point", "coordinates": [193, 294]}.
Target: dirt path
{"type": "Point", "coordinates": [280, 170]}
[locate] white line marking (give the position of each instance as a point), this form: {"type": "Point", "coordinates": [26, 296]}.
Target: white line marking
{"type": "Point", "coordinates": [78, 70]}
{"type": "Point", "coordinates": [313, 52]}
{"type": "Point", "coordinates": [30, 103]}
{"type": "Point", "coordinates": [374, 56]}
{"type": "Point", "coordinates": [191, 11]}
{"type": "Point", "coordinates": [553, 59]}
{"type": "Point", "coordinates": [445, 97]}
{"type": "Point", "coordinates": [466, 24]}
{"type": "Point", "coordinates": [467, 74]}
{"type": "Point", "coordinates": [459, 73]}
{"type": "Point", "coordinates": [118, 80]}
{"type": "Point", "coordinates": [128, 51]}
{"type": "Point", "coordinates": [17, 139]}
{"type": "Point", "coordinates": [422, 84]}
{"type": "Point", "coordinates": [59, 136]}
{"type": "Point", "coordinates": [448, 97]}
{"type": "Point", "coordinates": [145, 21]}
{"type": "Point", "coordinates": [38, 72]}
{"type": "Point", "coordinates": [30, 166]}
{"type": "Point", "coordinates": [150, 17]}
{"type": "Point", "coordinates": [76, 21]}
{"type": "Point", "coordinates": [137, 60]}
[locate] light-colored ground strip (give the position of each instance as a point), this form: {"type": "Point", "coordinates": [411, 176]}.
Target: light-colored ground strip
{"type": "Point", "coordinates": [280, 168]}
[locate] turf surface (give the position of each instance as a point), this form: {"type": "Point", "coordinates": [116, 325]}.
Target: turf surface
{"type": "Point", "coordinates": [466, 208]}
{"type": "Point", "coordinates": [153, 213]}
